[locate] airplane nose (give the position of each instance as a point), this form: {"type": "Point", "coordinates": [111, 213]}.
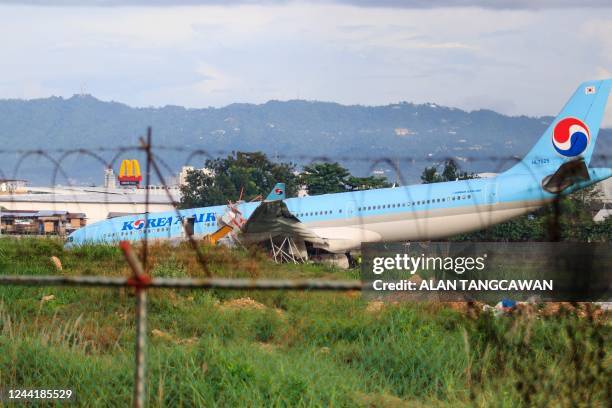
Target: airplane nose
{"type": "Point", "coordinates": [69, 242]}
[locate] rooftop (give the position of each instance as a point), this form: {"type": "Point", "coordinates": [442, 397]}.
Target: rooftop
{"type": "Point", "coordinates": [101, 195]}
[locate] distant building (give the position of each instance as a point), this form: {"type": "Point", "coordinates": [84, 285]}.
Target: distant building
{"type": "Point", "coordinates": [95, 202]}
{"type": "Point", "coordinates": [109, 179]}
{"type": "Point", "coordinates": [182, 179]}
{"type": "Point", "coordinates": [183, 174]}
{"type": "Point", "coordinates": [302, 191]}
{"type": "Point", "coordinates": [604, 189]}
{"type": "Point", "coordinates": [12, 186]}
{"type": "Point", "coordinates": [602, 215]}
{"type": "Point", "coordinates": [25, 222]}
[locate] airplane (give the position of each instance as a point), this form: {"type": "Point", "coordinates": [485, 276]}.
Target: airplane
{"type": "Point", "coordinates": [338, 223]}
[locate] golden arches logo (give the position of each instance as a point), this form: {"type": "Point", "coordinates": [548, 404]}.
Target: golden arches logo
{"type": "Point", "coordinates": [129, 172]}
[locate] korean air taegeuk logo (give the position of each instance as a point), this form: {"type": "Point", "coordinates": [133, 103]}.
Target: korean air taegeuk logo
{"type": "Point", "coordinates": [571, 137]}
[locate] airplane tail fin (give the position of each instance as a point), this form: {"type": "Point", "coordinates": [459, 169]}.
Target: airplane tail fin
{"type": "Point", "coordinates": [573, 133]}
{"type": "Point", "coordinates": [277, 193]}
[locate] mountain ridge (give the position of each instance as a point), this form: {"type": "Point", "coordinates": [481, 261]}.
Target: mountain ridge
{"type": "Point", "coordinates": [414, 135]}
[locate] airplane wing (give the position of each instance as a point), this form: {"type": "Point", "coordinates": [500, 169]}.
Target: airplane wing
{"type": "Point", "coordinates": [272, 219]}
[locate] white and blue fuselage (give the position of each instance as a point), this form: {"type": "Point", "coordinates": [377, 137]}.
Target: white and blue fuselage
{"type": "Point", "coordinates": [417, 212]}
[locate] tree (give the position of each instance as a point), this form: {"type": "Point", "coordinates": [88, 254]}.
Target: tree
{"type": "Point", "coordinates": [366, 183]}
{"type": "Point", "coordinates": [325, 178]}
{"type": "Point", "coordinates": [430, 175]}
{"type": "Point", "coordinates": [451, 172]}
{"type": "Point", "coordinates": [575, 213]}
{"type": "Point", "coordinates": [570, 219]}
{"type": "Point", "coordinates": [252, 173]}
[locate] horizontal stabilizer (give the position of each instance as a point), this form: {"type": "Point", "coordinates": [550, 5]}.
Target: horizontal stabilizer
{"type": "Point", "coordinates": [566, 175]}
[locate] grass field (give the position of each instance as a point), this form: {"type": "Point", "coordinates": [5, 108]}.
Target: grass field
{"type": "Point", "coordinates": [214, 348]}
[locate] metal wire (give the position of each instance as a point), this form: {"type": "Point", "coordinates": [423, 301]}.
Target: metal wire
{"type": "Point", "coordinates": [142, 282]}
{"type": "Point", "coordinates": [183, 283]}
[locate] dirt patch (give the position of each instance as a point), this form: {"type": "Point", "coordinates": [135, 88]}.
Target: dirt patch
{"type": "Point", "coordinates": [267, 347]}
{"type": "Point", "coordinates": [582, 310]}
{"type": "Point", "coordinates": [352, 294]}
{"type": "Point", "coordinates": [375, 306]}
{"type": "Point", "coordinates": [170, 338]}
{"type": "Point", "coordinates": [465, 307]}
{"type": "Point", "coordinates": [56, 262]}
{"type": "Point", "coordinates": [382, 400]}
{"type": "Point", "coordinates": [243, 303]}
{"type": "Point", "coordinates": [532, 310]}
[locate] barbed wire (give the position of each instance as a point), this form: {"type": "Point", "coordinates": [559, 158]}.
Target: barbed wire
{"type": "Point", "coordinates": [182, 283]}
{"type": "Point", "coordinates": [140, 279]}
{"type": "Point", "coordinates": [108, 197]}
{"type": "Point", "coordinates": [220, 153]}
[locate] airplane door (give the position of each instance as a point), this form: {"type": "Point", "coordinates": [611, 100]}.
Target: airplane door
{"type": "Point", "coordinates": [350, 209]}
{"type": "Point", "coordinates": [491, 193]}
{"type": "Point", "coordinates": [188, 226]}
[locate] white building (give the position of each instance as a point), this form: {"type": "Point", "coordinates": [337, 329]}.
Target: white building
{"type": "Point", "coordinates": [605, 190]}
{"type": "Point", "coordinates": [186, 169]}
{"type": "Point", "coordinates": [12, 186]}
{"type": "Point", "coordinates": [110, 181]}
{"type": "Point", "coordinates": [602, 214]}
{"type": "Point", "coordinates": [95, 202]}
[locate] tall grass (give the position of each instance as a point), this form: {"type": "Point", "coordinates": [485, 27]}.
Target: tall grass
{"type": "Point", "coordinates": [283, 348]}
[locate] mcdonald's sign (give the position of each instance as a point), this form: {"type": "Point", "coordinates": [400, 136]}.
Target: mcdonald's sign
{"type": "Point", "coordinates": [129, 173]}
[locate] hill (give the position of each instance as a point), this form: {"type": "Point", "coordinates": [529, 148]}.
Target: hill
{"type": "Point", "coordinates": [290, 130]}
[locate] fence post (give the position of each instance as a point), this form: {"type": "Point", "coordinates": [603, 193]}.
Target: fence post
{"type": "Point", "coordinates": [147, 148]}
{"type": "Point", "coordinates": [140, 280]}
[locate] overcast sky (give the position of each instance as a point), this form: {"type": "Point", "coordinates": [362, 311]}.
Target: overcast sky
{"type": "Point", "coordinates": [516, 57]}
